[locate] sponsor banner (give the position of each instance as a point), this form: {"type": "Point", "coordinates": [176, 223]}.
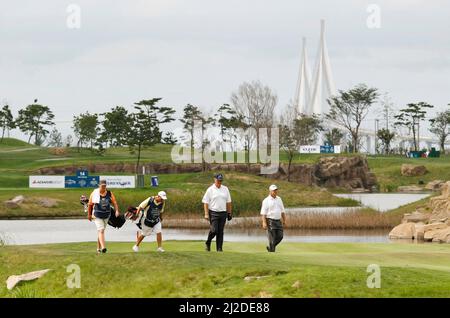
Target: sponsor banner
{"type": "Point", "coordinates": [327, 149]}
{"type": "Point", "coordinates": [310, 149]}
{"type": "Point", "coordinates": [119, 181]}
{"type": "Point", "coordinates": [81, 182]}
{"type": "Point", "coordinates": [320, 149]}
{"type": "Point", "coordinates": [46, 181]}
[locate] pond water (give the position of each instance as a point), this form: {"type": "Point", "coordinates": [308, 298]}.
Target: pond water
{"type": "Point", "coordinates": [70, 230]}
{"type": "Point", "coordinates": [384, 201]}
{"type": "Point", "coordinates": [327, 209]}
{"type": "Point", "coordinates": [65, 231]}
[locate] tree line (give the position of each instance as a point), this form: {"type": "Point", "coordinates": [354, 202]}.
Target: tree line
{"type": "Point", "coordinates": [252, 106]}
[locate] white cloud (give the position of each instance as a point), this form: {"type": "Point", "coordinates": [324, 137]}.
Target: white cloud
{"type": "Point", "coordinates": [198, 51]}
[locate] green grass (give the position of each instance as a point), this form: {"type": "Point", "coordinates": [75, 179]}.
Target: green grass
{"type": "Point", "coordinates": [15, 166]}
{"type": "Point", "coordinates": [185, 270]}
{"type": "Point", "coordinates": [184, 189]}
{"type": "Point", "coordinates": [184, 192]}
{"type": "Point", "coordinates": [13, 143]}
{"type": "Point", "coordinates": [387, 170]}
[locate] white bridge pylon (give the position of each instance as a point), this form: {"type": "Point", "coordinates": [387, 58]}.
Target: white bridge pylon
{"type": "Point", "coordinates": [311, 94]}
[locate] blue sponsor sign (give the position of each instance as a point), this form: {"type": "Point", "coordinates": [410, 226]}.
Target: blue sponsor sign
{"type": "Point", "coordinates": [327, 149]}
{"type": "Point", "coordinates": [82, 173]}
{"type": "Point", "coordinates": [81, 180]}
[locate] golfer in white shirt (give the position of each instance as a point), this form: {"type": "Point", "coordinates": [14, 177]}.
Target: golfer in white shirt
{"type": "Point", "coordinates": [217, 208]}
{"type": "Point", "coordinates": [273, 217]}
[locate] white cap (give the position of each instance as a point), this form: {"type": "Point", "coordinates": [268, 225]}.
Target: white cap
{"type": "Point", "coordinates": [273, 187]}
{"type": "Point", "coordinates": [163, 195]}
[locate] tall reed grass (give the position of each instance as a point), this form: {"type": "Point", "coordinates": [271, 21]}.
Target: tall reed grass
{"type": "Point", "coordinates": [318, 220]}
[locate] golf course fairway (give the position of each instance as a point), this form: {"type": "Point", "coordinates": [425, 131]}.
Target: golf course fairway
{"type": "Point", "coordinates": [242, 270]}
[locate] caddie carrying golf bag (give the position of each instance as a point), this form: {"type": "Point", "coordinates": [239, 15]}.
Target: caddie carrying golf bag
{"type": "Point", "coordinates": [113, 221]}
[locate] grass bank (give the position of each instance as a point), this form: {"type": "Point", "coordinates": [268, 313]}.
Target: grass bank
{"type": "Point", "coordinates": [185, 270]}
{"type": "Point", "coordinates": [19, 159]}
{"type": "Point", "coordinates": [388, 170]}
{"type": "Point", "coordinates": [184, 191]}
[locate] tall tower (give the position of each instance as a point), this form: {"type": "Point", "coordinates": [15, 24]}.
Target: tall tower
{"type": "Point", "coordinates": [302, 91]}
{"type": "Point", "coordinates": [322, 84]}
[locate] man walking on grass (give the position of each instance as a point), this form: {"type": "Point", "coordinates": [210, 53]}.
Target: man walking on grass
{"type": "Point", "coordinates": [217, 208]}
{"type": "Point", "coordinates": [273, 217]}
{"type": "Point", "coordinates": [151, 218]}
{"type": "Point", "coordinates": [100, 205]}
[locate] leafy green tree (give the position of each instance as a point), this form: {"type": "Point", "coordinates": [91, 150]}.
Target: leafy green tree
{"type": "Point", "coordinates": [55, 139]}
{"type": "Point", "coordinates": [191, 114]}
{"type": "Point", "coordinates": [228, 121]}
{"type": "Point", "coordinates": [334, 136]}
{"type": "Point", "coordinates": [290, 144]}
{"type": "Point", "coordinates": [385, 136]}
{"type": "Point", "coordinates": [169, 138]}
{"type": "Point", "coordinates": [116, 125]}
{"type": "Point", "coordinates": [410, 117]}
{"type": "Point", "coordinates": [6, 120]}
{"type": "Point", "coordinates": [33, 121]}
{"type": "Point", "coordinates": [297, 130]}
{"type": "Point", "coordinates": [205, 122]}
{"type": "Point", "coordinates": [349, 108]}
{"type": "Point", "coordinates": [222, 120]}
{"type": "Point", "coordinates": [307, 128]}
{"type": "Point", "coordinates": [440, 126]}
{"type": "Point", "coordinates": [145, 129]}
{"type": "Point", "coordinates": [86, 129]}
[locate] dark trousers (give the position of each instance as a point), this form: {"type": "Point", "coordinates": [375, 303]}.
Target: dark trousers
{"type": "Point", "coordinates": [217, 222]}
{"type": "Point", "coordinates": [274, 233]}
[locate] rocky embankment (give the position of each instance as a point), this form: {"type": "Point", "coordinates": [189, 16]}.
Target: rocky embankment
{"type": "Point", "coordinates": [348, 172]}
{"type": "Point", "coordinates": [430, 223]}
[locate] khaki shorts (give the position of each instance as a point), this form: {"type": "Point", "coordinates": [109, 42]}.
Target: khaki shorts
{"type": "Point", "coordinates": [101, 224]}
{"type": "Point", "coordinates": [146, 230]}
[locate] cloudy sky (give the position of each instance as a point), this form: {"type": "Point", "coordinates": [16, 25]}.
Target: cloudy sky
{"type": "Point", "coordinates": [199, 51]}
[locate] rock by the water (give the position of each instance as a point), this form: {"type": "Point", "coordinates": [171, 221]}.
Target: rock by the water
{"type": "Point", "coordinates": [13, 280]}
{"type": "Point", "coordinates": [411, 188]}
{"type": "Point", "coordinates": [433, 226]}
{"type": "Point", "coordinates": [403, 231]}
{"type": "Point", "coordinates": [15, 202]}
{"type": "Point", "coordinates": [419, 231]}
{"type": "Point", "coordinates": [442, 235]}
{"type": "Point", "coordinates": [435, 185]}
{"type": "Point", "coordinates": [415, 217]}
{"type": "Point", "coordinates": [47, 202]}
{"type": "Point", "coordinates": [413, 170]}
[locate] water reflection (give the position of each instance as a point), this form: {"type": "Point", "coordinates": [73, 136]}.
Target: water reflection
{"type": "Point", "coordinates": [65, 231]}
{"type": "Point", "coordinates": [384, 201]}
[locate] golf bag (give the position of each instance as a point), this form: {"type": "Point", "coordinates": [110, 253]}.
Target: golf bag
{"type": "Point", "coordinates": [113, 221]}
{"type": "Point", "coordinates": [133, 215]}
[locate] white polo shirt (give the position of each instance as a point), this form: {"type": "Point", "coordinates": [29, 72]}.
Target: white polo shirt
{"type": "Point", "coordinates": [272, 207]}
{"type": "Point", "coordinates": [217, 198]}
